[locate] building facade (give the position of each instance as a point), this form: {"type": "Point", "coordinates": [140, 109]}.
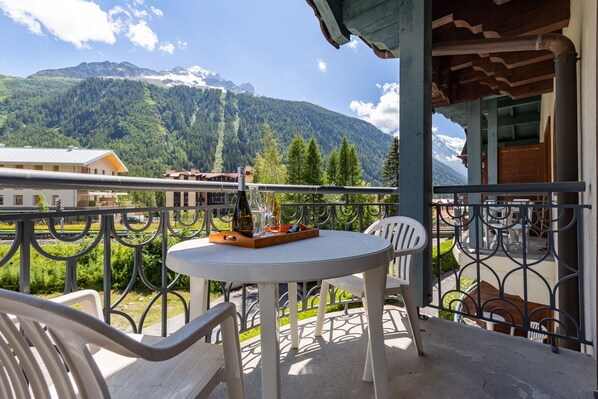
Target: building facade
{"type": "Point", "coordinates": [183, 199]}
{"type": "Point", "coordinates": [68, 160]}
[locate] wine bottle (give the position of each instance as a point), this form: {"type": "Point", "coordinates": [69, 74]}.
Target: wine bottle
{"type": "Point", "coordinates": [242, 221]}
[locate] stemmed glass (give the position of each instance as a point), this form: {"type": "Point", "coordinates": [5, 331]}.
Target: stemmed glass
{"type": "Point", "coordinates": [270, 212]}
{"type": "Point", "coordinates": [258, 210]}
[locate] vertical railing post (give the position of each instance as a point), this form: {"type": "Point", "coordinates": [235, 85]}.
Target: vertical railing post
{"type": "Point", "coordinates": [107, 221]}
{"type": "Point", "coordinates": [27, 229]}
{"type": "Point", "coordinates": [164, 287]}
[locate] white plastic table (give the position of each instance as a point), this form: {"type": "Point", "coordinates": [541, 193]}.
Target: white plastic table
{"type": "Point", "coordinates": [332, 254]}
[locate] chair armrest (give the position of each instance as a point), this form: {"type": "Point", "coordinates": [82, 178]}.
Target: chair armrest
{"type": "Point", "coordinates": [88, 299]}
{"type": "Point", "coordinates": [410, 251]}
{"type": "Point", "coordinates": [221, 314]}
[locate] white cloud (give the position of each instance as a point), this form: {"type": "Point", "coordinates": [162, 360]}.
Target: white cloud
{"type": "Point", "coordinates": [141, 35]}
{"type": "Point", "coordinates": [385, 114]}
{"type": "Point", "coordinates": [82, 22]}
{"type": "Point", "coordinates": [156, 11]}
{"type": "Point", "coordinates": [167, 47]}
{"type": "Point", "coordinates": [321, 65]}
{"type": "Point", "coordinates": [74, 21]}
{"type": "Point", "coordinates": [353, 44]}
{"type": "Point", "coordinates": [434, 129]}
{"type": "Point", "coordinates": [181, 44]}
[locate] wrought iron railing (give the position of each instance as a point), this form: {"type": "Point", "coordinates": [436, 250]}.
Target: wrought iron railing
{"type": "Point", "coordinates": [496, 243]}
{"type": "Point", "coordinates": [32, 235]}
{"type": "Point", "coordinates": [518, 259]}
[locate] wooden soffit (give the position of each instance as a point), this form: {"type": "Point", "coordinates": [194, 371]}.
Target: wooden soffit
{"type": "Point", "coordinates": [462, 77]}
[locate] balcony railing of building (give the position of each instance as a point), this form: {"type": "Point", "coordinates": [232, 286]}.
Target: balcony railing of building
{"type": "Point", "coordinates": [28, 235]}
{"type": "Point", "coordinates": [106, 230]}
{"type": "Point", "coordinates": [516, 270]}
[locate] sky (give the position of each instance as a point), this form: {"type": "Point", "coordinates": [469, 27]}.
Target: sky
{"type": "Point", "coordinates": [276, 45]}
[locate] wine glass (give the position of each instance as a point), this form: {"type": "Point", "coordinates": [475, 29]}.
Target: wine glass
{"type": "Point", "coordinates": [269, 212]}
{"type": "Point", "coordinates": [256, 204]}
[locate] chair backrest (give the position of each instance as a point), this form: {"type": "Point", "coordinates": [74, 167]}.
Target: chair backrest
{"type": "Point", "coordinates": [536, 336]}
{"type": "Point", "coordinates": [520, 211]}
{"type": "Point", "coordinates": [59, 334]}
{"type": "Point", "coordinates": [408, 237]}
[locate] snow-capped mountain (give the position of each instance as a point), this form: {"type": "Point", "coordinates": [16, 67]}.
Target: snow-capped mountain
{"type": "Point", "coordinates": [446, 148]}
{"type": "Point", "coordinates": [194, 76]}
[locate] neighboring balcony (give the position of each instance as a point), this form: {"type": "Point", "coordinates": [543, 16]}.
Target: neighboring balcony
{"type": "Point", "coordinates": [460, 360]}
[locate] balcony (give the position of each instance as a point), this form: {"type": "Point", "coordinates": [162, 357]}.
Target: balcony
{"type": "Point", "coordinates": [460, 360]}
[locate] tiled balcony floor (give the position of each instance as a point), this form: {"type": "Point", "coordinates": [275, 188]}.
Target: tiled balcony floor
{"type": "Point", "coordinates": [460, 362]}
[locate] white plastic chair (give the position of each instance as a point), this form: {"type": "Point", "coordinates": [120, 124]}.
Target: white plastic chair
{"type": "Point", "coordinates": [496, 221]}
{"type": "Point", "coordinates": [520, 221]}
{"type": "Point", "coordinates": [408, 238]}
{"type": "Point", "coordinates": [85, 357]}
{"type": "Point", "coordinates": [536, 336]}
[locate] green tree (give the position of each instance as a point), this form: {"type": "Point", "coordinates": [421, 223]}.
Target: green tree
{"type": "Point", "coordinates": [390, 173]}
{"type": "Point", "coordinates": [390, 169]}
{"type": "Point", "coordinates": [268, 165]}
{"type": "Point", "coordinates": [355, 172]}
{"type": "Point", "coordinates": [42, 205]}
{"type": "Point", "coordinates": [343, 164]}
{"type": "Point", "coordinates": [332, 168]}
{"type": "Point", "coordinates": [296, 166]}
{"type": "Point", "coordinates": [314, 171]}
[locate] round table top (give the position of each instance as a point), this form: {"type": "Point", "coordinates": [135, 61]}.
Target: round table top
{"type": "Point", "coordinates": [332, 254]}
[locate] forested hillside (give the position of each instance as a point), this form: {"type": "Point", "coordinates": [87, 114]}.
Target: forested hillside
{"type": "Point", "coordinates": [153, 129]}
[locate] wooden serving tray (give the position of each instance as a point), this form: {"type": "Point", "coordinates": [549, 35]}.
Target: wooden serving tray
{"type": "Point", "coordinates": [280, 237]}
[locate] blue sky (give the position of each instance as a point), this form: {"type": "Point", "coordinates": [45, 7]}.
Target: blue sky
{"type": "Point", "coordinates": [276, 45]}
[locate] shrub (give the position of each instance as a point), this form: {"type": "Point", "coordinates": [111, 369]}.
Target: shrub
{"type": "Point", "coordinates": [447, 259]}
{"type": "Point", "coordinates": [451, 296]}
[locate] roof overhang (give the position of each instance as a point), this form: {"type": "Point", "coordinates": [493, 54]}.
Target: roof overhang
{"type": "Point", "coordinates": [458, 78]}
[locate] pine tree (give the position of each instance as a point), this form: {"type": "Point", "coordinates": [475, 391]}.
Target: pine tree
{"type": "Point", "coordinates": [313, 171]}
{"type": "Point", "coordinates": [332, 168]}
{"type": "Point", "coordinates": [343, 164]}
{"type": "Point", "coordinates": [268, 165]}
{"type": "Point", "coordinates": [355, 172]}
{"type": "Point", "coordinates": [390, 170]}
{"type": "Point", "coordinates": [390, 174]}
{"type": "Point", "coordinates": [296, 164]}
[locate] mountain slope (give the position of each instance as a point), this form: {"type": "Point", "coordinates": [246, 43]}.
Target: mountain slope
{"type": "Point", "coordinates": [154, 128]}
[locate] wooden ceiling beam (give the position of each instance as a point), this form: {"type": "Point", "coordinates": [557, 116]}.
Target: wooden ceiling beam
{"type": "Point", "coordinates": [505, 19]}
{"type": "Point", "coordinates": [484, 88]}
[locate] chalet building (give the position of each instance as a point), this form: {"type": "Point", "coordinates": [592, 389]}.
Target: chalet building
{"type": "Point", "coordinates": [69, 160]}
{"type": "Point", "coordinates": [179, 198]}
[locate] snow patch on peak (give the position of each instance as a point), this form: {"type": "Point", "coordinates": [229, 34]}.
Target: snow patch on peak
{"type": "Point", "coordinates": [446, 149]}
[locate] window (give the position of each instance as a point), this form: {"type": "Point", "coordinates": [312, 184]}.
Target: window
{"type": "Point", "coordinates": [36, 200]}
{"type": "Point", "coordinates": [112, 173]}
{"type": "Point", "coordinates": [103, 172]}
{"type": "Point", "coordinates": [56, 168]}
{"type": "Point", "coordinates": [19, 166]}
{"type": "Point", "coordinates": [39, 167]}
{"type": "Point", "coordinates": [55, 199]}
{"type": "Point", "coordinates": [95, 171]}
{"type": "Point", "coordinates": [1, 199]}
{"type": "Point", "coordinates": [18, 200]}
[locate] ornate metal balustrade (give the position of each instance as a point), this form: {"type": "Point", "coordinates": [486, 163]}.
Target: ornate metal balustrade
{"type": "Point", "coordinates": [507, 249]}
{"type": "Point", "coordinates": [520, 264]}
{"type": "Point", "coordinates": [32, 235]}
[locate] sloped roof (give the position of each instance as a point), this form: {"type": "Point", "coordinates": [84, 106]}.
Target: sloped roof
{"type": "Point", "coordinates": [58, 156]}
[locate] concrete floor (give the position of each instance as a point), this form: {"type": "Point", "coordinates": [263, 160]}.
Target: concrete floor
{"type": "Point", "coordinates": [460, 362]}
